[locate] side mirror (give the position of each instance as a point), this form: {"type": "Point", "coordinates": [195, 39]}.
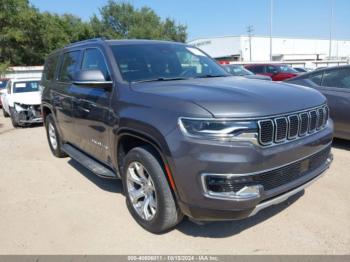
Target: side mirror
{"type": "Point", "coordinates": [93, 78]}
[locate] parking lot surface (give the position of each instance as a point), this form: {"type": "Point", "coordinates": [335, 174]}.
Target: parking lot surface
{"type": "Point", "coordinates": [56, 206]}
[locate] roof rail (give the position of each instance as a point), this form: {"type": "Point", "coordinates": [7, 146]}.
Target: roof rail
{"type": "Point", "coordinates": [87, 41]}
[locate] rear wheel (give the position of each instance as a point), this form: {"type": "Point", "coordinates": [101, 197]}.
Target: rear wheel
{"type": "Point", "coordinates": [53, 137]}
{"type": "Point", "coordinates": [148, 195]}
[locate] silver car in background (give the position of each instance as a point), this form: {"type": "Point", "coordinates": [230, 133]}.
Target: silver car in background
{"type": "Point", "coordinates": [334, 83]}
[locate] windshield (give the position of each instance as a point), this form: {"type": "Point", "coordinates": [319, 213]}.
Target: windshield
{"type": "Point", "coordinates": [153, 62]}
{"type": "Point", "coordinates": [3, 84]}
{"type": "Point", "coordinates": [25, 86]}
{"type": "Point", "coordinates": [286, 69]}
{"type": "Point", "coordinates": [237, 70]}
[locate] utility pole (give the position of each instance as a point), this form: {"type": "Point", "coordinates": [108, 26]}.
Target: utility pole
{"type": "Point", "coordinates": [330, 29]}
{"type": "Point", "coordinates": [250, 30]}
{"type": "Point", "coordinates": [271, 13]}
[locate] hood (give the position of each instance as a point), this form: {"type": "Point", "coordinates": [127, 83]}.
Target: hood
{"type": "Point", "coordinates": [260, 77]}
{"type": "Point", "coordinates": [27, 98]}
{"type": "Point", "coordinates": [236, 97]}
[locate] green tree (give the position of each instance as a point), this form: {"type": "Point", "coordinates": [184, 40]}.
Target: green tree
{"type": "Point", "coordinates": [27, 35]}
{"type": "Point", "coordinates": [122, 20]}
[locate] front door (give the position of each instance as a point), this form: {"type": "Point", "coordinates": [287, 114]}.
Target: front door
{"type": "Point", "coordinates": [91, 109]}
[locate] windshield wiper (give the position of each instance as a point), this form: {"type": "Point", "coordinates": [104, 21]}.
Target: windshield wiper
{"type": "Point", "coordinates": [209, 76]}
{"type": "Point", "coordinates": [161, 79]}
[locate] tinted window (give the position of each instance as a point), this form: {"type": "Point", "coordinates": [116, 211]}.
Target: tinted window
{"type": "Point", "coordinates": [25, 86]}
{"type": "Point", "coordinates": [256, 69]}
{"type": "Point", "coordinates": [50, 67]}
{"type": "Point", "coordinates": [315, 78]}
{"type": "Point", "coordinates": [237, 70]}
{"type": "Point", "coordinates": [93, 59]}
{"type": "Point", "coordinates": [69, 66]}
{"type": "Point", "coordinates": [271, 70]}
{"type": "Point", "coordinates": [337, 78]}
{"type": "Point", "coordinates": [285, 69]}
{"type": "Point", "coordinates": [155, 61]}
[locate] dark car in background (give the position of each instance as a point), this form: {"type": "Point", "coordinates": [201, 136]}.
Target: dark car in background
{"type": "Point", "coordinates": [278, 72]}
{"type": "Point", "coordinates": [334, 83]}
{"type": "Point", "coordinates": [239, 70]}
{"type": "Point", "coordinates": [3, 84]}
{"type": "Point", "coordinates": [184, 136]}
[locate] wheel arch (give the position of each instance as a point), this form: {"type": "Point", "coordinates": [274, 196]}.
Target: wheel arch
{"type": "Point", "coordinates": [129, 139]}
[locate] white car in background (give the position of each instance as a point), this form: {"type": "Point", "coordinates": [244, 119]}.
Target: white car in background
{"type": "Point", "coordinates": [22, 101]}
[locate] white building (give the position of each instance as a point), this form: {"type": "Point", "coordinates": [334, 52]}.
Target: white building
{"type": "Point", "coordinates": [24, 72]}
{"type": "Point", "coordinates": [236, 48]}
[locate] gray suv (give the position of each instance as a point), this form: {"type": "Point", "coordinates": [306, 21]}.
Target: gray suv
{"type": "Point", "coordinates": [184, 136]}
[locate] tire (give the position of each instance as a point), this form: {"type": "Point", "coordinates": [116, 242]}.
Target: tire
{"type": "Point", "coordinates": [166, 214]}
{"type": "Point", "coordinates": [51, 129]}
{"type": "Point", "coordinates": [4, 113]}
{"type": "Point", "coordinates": [13, 118]}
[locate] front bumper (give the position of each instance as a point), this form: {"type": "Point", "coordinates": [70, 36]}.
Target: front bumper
{"type": "Point", "coordinates": [27, 114]}
{"type": "Point", "coordinates": [192, 158]}
{"type": "Point", "coordinates": [206, 214]}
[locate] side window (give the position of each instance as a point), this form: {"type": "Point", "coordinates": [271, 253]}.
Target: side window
{"type": "Point", "coordinates": [50, 68]}
{"type": "Point", "coordinates": [271, 69]}
{"type": "Point", "coordinates": [93, 59]}
{"type": "Point", "coordinates": [316, 78]}
{"type": "Point", "coordinates": [337, 78]}
{"type": "Point", "coordinates": [69, 66]}
{"type": "Point", "coordinates": [256, 69]}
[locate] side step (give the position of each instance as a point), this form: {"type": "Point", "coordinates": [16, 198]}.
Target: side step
{"type": "Point", "coordinates": [89, 163]}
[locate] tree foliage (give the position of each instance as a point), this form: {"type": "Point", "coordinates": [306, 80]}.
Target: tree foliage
{"type": "Point", "coordinates": [28, 35]}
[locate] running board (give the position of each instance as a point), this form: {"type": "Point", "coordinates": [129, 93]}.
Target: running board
{"type": "Point", "coordinates": [88, 162]}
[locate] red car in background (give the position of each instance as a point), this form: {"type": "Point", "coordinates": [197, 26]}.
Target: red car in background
{"type": "Point", "coordinates": [3, 83]}
{"type": "Point", "coordinates": [278, 72]}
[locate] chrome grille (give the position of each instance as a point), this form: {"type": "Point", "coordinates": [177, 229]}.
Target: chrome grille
{"type": "Point", "coordinates": [293, 126]}
{"type": "Point", "coordinates": [282, 129]}
{"type": "Point", "coordinates": [313, 121]}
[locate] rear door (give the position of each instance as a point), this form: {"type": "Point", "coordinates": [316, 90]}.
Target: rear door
{"type": "Point", "coordinates": [336, 87]}
{"type": "Point", "coordinates": [91, 106]}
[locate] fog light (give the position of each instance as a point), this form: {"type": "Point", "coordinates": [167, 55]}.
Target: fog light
{"type": "Point", "coordinates": [230, 187]}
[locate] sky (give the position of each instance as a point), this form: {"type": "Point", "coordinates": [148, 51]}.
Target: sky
{"type": "Point", "coordinates": [209, 18]}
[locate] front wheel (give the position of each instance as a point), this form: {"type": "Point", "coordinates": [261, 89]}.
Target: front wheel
{"type": "Point", "coordinates": [148, 195]}
{"type": "Point", "coordinates": [14, 117]}
{"type": "Point", "coordinates": [4, 113]}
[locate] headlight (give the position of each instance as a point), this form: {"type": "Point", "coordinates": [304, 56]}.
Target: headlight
{"type": "Point", "coordinates": [219, 129]}
{"type": "Point", "coordinates": [19, 108]}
